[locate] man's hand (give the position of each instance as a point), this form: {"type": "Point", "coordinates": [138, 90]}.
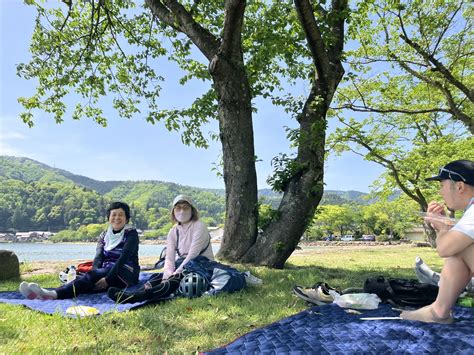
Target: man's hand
{"type": "Point", "coordinates": [101, 284]}
{"type": "Point", "coordinates": [434, 211]}
{"type": "Point", "coordinates": [436, 217]}
{"type": "Point", "coordinates": [436, 208]}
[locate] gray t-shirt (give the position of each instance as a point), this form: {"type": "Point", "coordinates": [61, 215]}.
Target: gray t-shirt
{"type": "Point", "coordinates": [466, 223]}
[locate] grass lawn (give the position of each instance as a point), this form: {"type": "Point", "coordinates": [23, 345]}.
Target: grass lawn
{"type": "Point", "coordinates": [205, 323]}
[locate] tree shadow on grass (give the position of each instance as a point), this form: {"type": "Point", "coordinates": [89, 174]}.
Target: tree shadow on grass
{"type": "Point", "coordinates": [342, 278]}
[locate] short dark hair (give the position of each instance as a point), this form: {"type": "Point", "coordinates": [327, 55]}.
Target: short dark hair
{"type": "Point", "coordinates": [116, 205]}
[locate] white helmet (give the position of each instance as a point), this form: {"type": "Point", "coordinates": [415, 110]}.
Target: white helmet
{"type": "Point", "coordinates": [193, 285]}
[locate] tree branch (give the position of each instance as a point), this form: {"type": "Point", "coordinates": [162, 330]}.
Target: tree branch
{"type": "Point", "coordinates": [314, 38]}
{"type": "Point", "coordinates": [337, 28]}
{"type": "Point", "coordinates": [440, 67]}
{"type": "Point", "coordinates": [112, 33]}
{"type": "Point", "coordinates": [172, 13]}
{"type": "Point", "coordinates": [162, 13]}
{"type": "Point", "coordinates": [365, 108]}
{"type": "Point", "coordinates": [461, 3]}
{"type": "Point", "coordinates": [234, 18]}
{"type": "Point", "coordinates": [368, 60]}
{"type": "Point", "coordinates": [381, 160]}
{"type": "Point", "coordinates": [454, 110]}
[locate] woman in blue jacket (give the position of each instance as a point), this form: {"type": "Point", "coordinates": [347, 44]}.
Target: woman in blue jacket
{"type": "Point", "coordinates": [115, 263]}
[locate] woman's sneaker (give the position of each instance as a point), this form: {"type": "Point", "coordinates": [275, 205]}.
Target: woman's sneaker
{"type": "Point", "coordinates": [252, 280]}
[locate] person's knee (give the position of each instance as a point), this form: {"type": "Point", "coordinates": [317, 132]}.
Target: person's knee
{"type": "Point", "coordinates": [467, 256]}
{"type": "Point", "coordinates": [456, 267]}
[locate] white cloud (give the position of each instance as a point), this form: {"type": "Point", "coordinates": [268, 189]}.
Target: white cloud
{"type": "Point", "coordinates": [7, 149]}
{"type": "Point", "coordinates": [9, 138]}
{"type": "Point", "coordinates": [11, 135]}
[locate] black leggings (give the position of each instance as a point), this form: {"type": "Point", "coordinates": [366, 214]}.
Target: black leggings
{"type": "Point", "coordinates": [85, 284]}
{"type": "Point", "coordinates": [161, 288]}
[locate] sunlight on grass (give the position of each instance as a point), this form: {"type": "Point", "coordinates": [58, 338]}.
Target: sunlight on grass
{"type": "Point", "coordinates": [205, 323]}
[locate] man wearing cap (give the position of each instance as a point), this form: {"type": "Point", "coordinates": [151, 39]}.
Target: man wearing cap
{"type": "Point", "coordinates": [454, 243]}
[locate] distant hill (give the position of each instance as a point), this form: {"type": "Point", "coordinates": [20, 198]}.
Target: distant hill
{"type": "Point", "coordinates": [35, 196]}
{"type": "Point", "coordinates": [330, 197]}
{"type": "Point", "coordinates": [29, 170]}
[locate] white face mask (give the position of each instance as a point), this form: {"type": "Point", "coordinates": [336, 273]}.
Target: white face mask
{"type": "Point", "coordinates": [183, 216]}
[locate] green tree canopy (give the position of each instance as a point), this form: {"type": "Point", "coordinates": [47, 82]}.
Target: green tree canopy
{"type": "Point", "coordinates": [409, 91]}
{"type": "Point", "coordinates": [412, 58]}
{"type": "Point", "coordinates": [110, 51]}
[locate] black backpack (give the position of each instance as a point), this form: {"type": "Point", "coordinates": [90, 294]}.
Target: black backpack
{"type": "Point", "coordinates": [401, 292]}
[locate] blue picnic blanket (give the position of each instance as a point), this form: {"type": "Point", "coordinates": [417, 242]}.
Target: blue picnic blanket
{"type": "Point", "coordinates": [97, 300]}
{"type": "Point", "coordinates": [329, 329]}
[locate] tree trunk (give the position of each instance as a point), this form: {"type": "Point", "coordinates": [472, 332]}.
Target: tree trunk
{"type": "Point", "coordinates": [303, 183]}
{"type": "Point", "coordinates": [303, 187]}
{"type": "Point", "coordinates": [240, 178]}
{"type": "Point", "coordinates": [430, 235]}
{"type": "Point", "coordinates": [302, 192]}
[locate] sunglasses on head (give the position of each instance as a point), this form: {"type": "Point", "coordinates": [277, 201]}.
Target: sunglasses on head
{"type": "Point", "coordinates": [449, 172]}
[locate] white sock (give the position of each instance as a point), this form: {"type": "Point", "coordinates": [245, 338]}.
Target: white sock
{"type": "Point", "coordinates": [43, 294]}
{"type": "Point", "coordinates": [26, 292]}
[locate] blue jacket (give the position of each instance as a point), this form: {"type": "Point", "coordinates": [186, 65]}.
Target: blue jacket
{"type": "Point", "coordinates": [219, 276]}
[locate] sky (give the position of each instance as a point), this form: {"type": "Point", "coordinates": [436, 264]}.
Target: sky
{"type": "Point", "coordinates": [134, 149]}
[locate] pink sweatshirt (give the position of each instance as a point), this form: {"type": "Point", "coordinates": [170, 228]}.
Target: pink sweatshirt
{"type": "Point", "coordinates": [193, 238]}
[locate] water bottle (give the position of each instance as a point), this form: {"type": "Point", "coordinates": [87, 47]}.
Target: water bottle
{"type": "Point", "coordinates": [71, 275]}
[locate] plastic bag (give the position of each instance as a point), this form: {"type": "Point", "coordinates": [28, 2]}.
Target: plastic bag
{"type": "Point", "coordinates": [356, 300]}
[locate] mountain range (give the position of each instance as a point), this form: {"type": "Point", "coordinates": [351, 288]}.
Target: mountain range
{"type": "Point", "coordinates": [29, 170]}
{"type": "Point", "coordinates": [35, 196]}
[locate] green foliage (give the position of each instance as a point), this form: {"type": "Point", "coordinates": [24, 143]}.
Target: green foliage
{"type": "Point", "coordinates": [265, 215]}
{"type": "Point", "coordinates": [34, 196]}
{"type": "Point", "coordinates": [337, 219]}
{"type": "Point", "coordinates": [285, 168]}
{"type": "Point", "coordinates": [112, 51]}
{"type": "Point", "coordinates": [27, 170]}
{"type": "Point", "coordinates": [394, 218]}
{"type": "Point", "coordinates": [152, 234]}
{"type": "Point", "coordinates": [382, 238]}
{"type": "Point", "coordinates": [164, 230]}
{"type": "Point", "coordinates": [316, 232]}
{"type": "Point", "coordinates": [48, 206]}
{"type": "Point", "coordinates": [85, 233]}
{"type": "Point", "coordinates": [407, 89]}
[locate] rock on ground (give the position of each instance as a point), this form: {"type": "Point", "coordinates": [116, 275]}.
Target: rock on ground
{"type": "Point", "coordinates": [9, 265]}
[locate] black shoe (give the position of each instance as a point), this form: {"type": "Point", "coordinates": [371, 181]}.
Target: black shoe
{"type": "Point", "coordinates": [120, 296]}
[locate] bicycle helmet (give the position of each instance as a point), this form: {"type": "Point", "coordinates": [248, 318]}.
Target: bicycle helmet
{"type": "Point", "coordinates": [193, 285]}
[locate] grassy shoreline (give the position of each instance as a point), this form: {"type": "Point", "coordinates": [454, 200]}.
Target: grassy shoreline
{"type": "Point", "coordinates": [55, 266]}
{"type": "Point", "coordinates": [205, 323]}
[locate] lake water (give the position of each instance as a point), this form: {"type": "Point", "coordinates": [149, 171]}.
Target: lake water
{"type": "Point", "coordinates": [70, 251]}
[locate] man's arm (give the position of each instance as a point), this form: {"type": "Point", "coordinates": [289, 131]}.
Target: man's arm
{"type": "Point", "coordinates": [451, 242]}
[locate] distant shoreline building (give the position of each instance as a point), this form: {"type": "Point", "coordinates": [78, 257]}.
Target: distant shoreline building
{"type": "Point", "coordinates": [25, 237]}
